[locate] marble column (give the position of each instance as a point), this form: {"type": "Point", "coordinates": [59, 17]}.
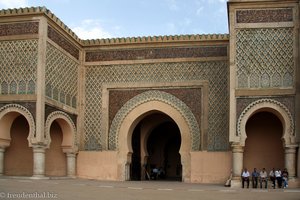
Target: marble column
{"type": "Point", "coordinates": [127, 171]}
{"type": "Point", "coordinates": [143, 167]}
{"type": "Point", "coordinates": [237, 164]}
{"type": "Point", "coordinates": [290, 159]}
{"type": "Point", "coordinates": [38, 161]}
{"type": "Point", "coordinates": [71, 164]}
{"type": "Point", "coordinates": [2, 150]}
{"type": "Point", "coordinates": [237, 159]}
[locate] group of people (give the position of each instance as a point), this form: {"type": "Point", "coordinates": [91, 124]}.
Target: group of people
{"type": "Point", "coordinates": [281, 177]}
{"type": "Point", "coordinates": [157, 173]}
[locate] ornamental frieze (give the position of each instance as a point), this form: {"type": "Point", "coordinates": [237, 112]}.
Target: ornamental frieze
{"type": "Point", "coordinates": [63, 42]}
{"type": "Point", "coordinates": [242, 103]}
{"type": "Point", "coordinates": [192, 97]}
{"type": "Point", "coordinates": [264, 15]}
{"type": "Point", "coordinates": [50, 109]}
{"type": "Point", "coordinates": [25, 28]}
{"type": "Point", "coordinates": [30, 107]}
{"type": "Point", "coordinates": [157, 53]}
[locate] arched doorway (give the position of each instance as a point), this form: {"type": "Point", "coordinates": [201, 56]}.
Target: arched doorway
{"type": "Point", "coordinates": [263, 146]}
{"type": "Point", "coordinates": [18, 156]}
{"type": "Point", "coordinates": [61, 153]}
{"type": "Point", "coordinates": [156, 142]}
{"type": "Point", "coordinates": [124, 123]}
{"type": "Point", "coordinates": [56, 163]}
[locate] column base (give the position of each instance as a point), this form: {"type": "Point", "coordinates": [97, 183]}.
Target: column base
{"type": "Point", "coordinates": [294, 182]}
{"type": "Point", "coordinates": [236, 183]}
{"type": "Point", "coordinates": [39, 177]}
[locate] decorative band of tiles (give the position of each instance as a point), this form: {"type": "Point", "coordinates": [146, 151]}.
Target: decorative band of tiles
{"type": "Point", "coordinates": [19, 28]}
{"type": "Point", "coordinates": [63, 42]}
{"type": "Point", "coordinates": [157, 53]}
{"type": "Point", "coordinates": [264, 15]}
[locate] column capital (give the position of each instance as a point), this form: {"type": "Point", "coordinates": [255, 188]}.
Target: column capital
{"type": "Point", "coordinates": [39, 148]}
{"type": "Point", "coordinates": [71, 154]}
{"type": "Point", "coordinates": [2, 149]}
{"type": "Point", "coordinates": [291, 148]}
{"type": "Point", "coordinates": [237, 147]}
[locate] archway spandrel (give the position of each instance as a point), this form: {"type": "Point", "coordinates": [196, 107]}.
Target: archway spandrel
{"type": "Point", "coordinates": [151, 96]}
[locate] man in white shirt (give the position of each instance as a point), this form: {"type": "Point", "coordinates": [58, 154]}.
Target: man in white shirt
{"type": "Point", "coordinates": [263, 178]}
{"type": "Point", "coordinates": [278, 178]}
{"type": "Point", "coordinates": [245, 177]}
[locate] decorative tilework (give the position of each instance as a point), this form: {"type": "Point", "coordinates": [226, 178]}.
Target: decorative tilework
{"type": "Point", "coordinates": [287, 101]}
{"type": "Point", "coordinates": [155, 95]}
{"type": "Point", "coordinates": [18, 64]}
{"type": "Point", "coordinates": [264, 15]}
{"type": "Point", "coordinates": [19, 28]}
{"type": "Point", "coordinates": [63, 42]}
{"type": "Point", "coordinates": [156, 53]}
{"type": "Point", "coordinates": [50, 109]}
{"type": "Point", "coordinates": [216, 73]}
{"type": "Point", "coordinates": [264, 58]}
{"type": "Point", "coordinates": [61, 76]}
{"type": "Point", "coordinates": [192, 97]}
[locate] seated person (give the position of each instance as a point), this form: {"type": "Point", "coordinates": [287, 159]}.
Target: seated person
{"type": "Point", "coordinates": [272, 177]}
{"type": "Point", "coordinates": [245, 177]}
{"type": "Point", "coordinates": [154, 173]}
{"type": "Point", "coordinates": [278, 178]}
{"type": "Point", "coordinates": [285, 176]}
{"type": "Point", "coordinates": [255, 176]}
{"type": "Point", "coordinates": [263, 178]}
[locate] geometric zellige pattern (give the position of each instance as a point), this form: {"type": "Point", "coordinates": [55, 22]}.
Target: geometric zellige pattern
{"type": "Point", "coordinates": [61, 76]}
{"type": "Point", "coordinates": [215, 72]}
{"type": "Point", "coordinates": [18, 64]}
{"type": "Point", "coordinates": [155, 96]}
{"type": "Point", "coordinates": [264, 58]}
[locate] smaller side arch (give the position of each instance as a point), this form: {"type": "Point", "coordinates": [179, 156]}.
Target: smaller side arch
{"type": "Point", "coordinates": [7, 115]}
{"type": "Point", "coordinates": [69, 143]}
{"type": "Point", "coordinates": [269, 105]}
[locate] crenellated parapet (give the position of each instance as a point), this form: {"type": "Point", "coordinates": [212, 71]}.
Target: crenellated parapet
{"type": "Point", "coordinates": [39, 11]}
{"type": "Point", "coordinates": [111, 41]}
{"type": "Point", "coordinates": [156, 39]}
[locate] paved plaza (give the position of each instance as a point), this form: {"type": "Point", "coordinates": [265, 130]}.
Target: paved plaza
{"type": "Point", "coordinates": [70, 189]}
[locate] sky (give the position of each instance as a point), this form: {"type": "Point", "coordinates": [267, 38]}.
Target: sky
{"type": "Point", "coordinates": [97, 19]}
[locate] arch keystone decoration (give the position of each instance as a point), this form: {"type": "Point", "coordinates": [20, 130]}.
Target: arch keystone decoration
{"type": "Point", "coordinates": [69, 143]}
{"type": "Point", "coordinates": [7, 115]}
{"type": "Point", "coordinates": [273, 106]}
{"type": "Point", "coordinates": [159, 96]}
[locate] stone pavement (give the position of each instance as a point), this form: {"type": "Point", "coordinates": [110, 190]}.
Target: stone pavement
{"type": "Point", "coordinates": [71, 189]}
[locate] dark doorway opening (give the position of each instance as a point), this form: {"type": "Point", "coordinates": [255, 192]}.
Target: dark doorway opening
{"type": "Point", "coordinates": [156, 147]}
{"type": "Point", "coordinates": [163, 147]}
{"type": "Point", "coordinates": [135, 171]}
